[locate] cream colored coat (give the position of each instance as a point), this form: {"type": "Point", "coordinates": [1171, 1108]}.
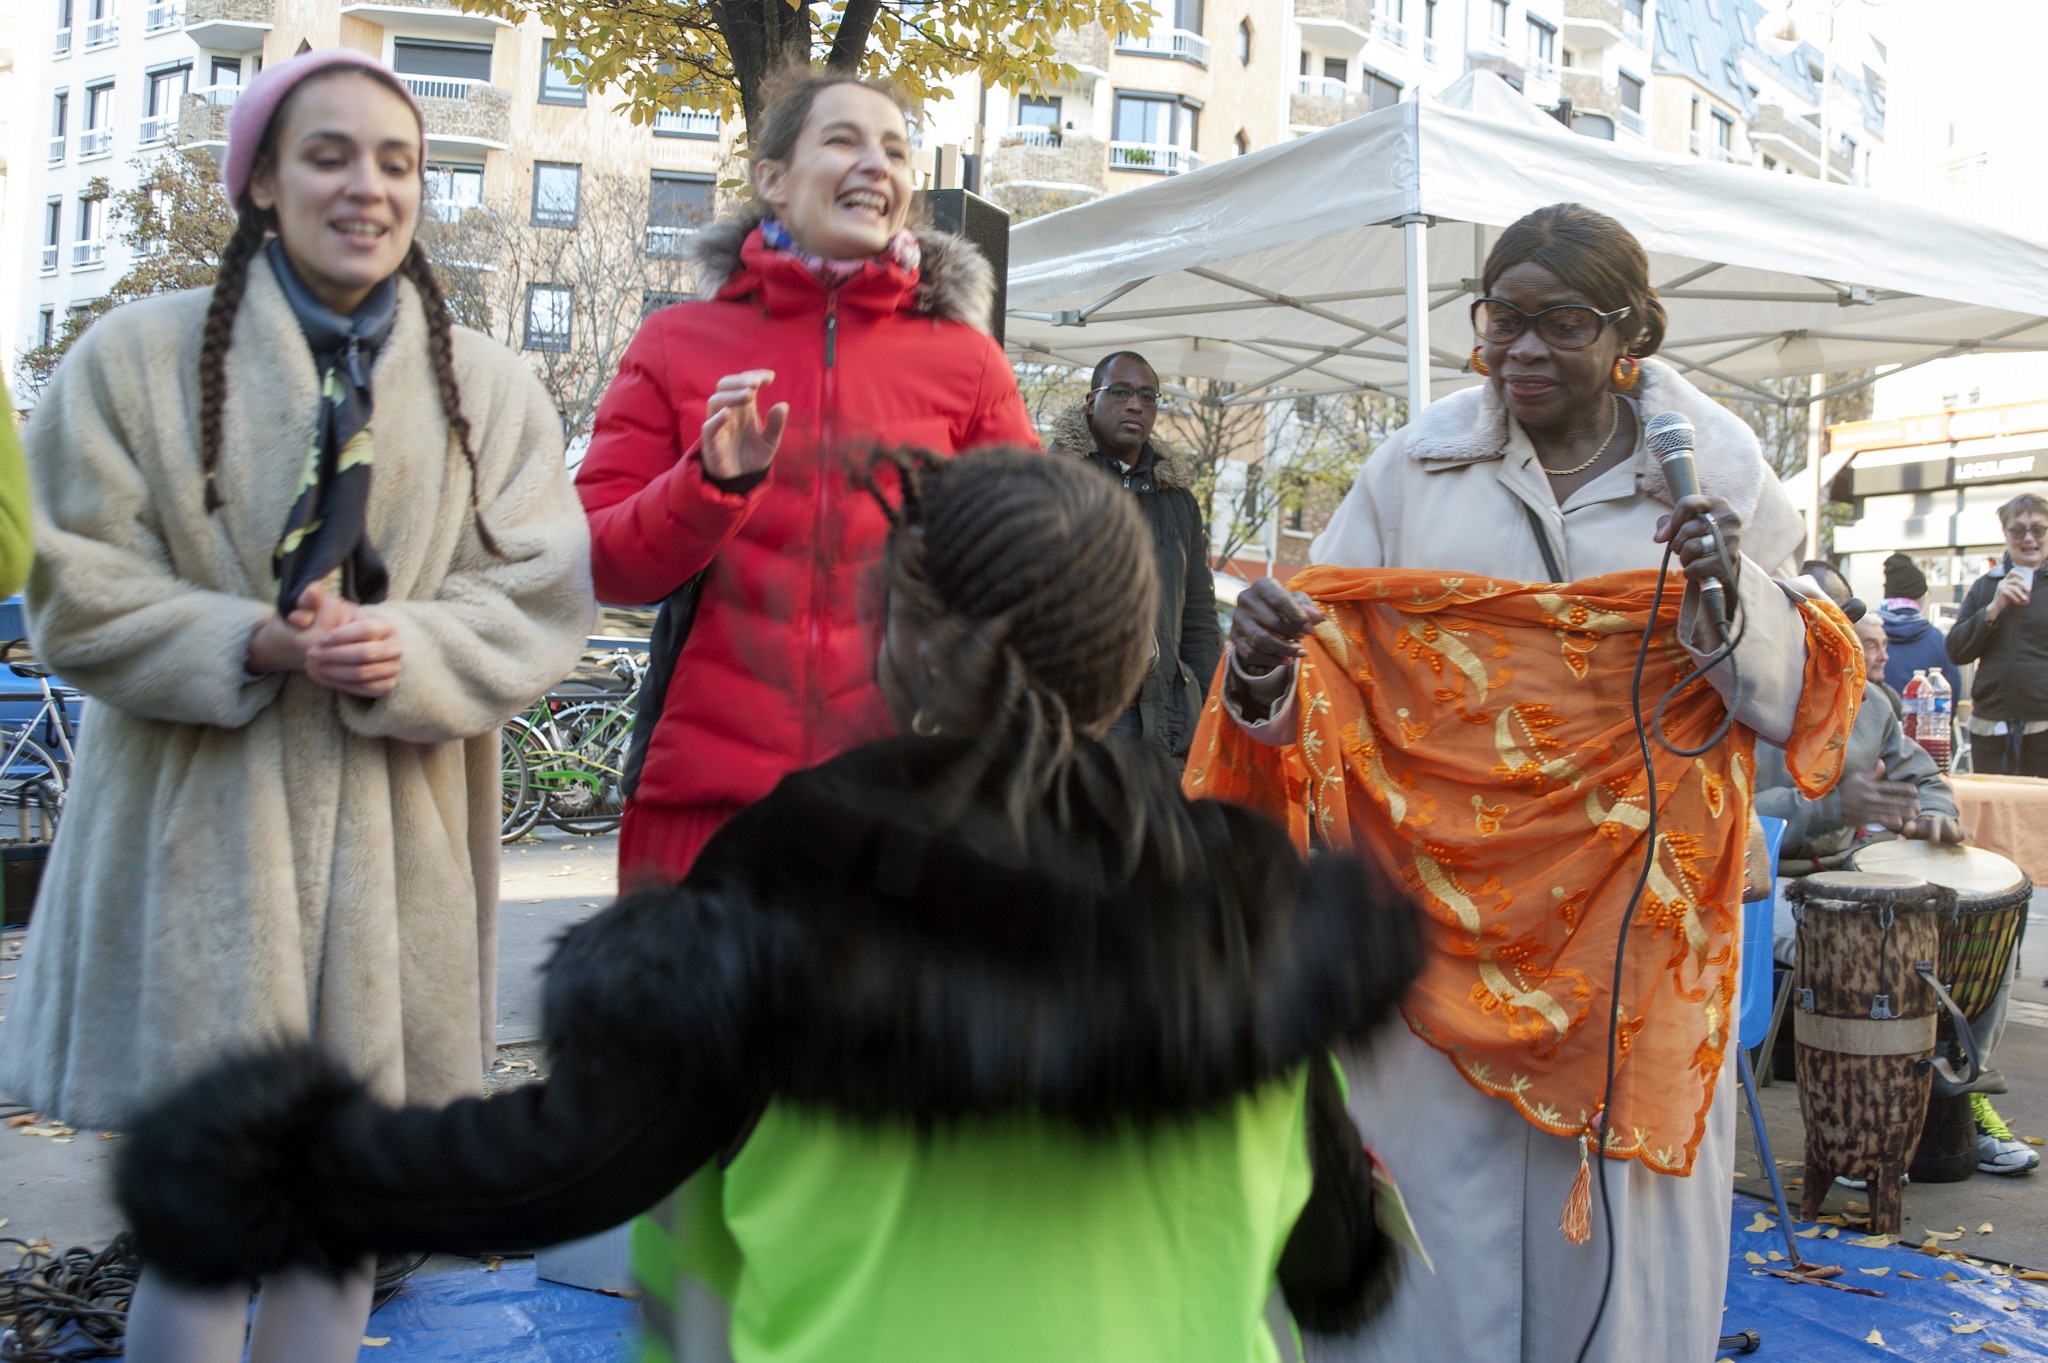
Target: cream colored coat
{"type": "Point", "coordinates": [1485, 1188]}
{"type": "Point", "coordinates": [250, 858]}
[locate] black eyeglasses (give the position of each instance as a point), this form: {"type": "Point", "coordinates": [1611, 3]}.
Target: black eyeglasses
{"type": "Point", "coordinates": [1123, 392]}
{"type": "Point", "coordinates": [2027, 530]}
{"type": "Point", "coordinates": [1568, 326]}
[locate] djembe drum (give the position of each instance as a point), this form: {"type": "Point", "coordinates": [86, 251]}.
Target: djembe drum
{"type": "Point", "coordinates": [1978, 938]}
{"type": "Point", "coordinates": [1864, 1029]}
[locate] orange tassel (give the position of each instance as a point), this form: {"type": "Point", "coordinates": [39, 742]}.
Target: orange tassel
{"type": "Point", "coordinates": [1577, 1221]}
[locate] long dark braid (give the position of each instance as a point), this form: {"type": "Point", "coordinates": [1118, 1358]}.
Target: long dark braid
{"type": "Point", "coordinates": [441, 348]}
{"type": "Point", "coordinates": [1060, 554]}
{"type": "Point", "coordinates": [213, 347]}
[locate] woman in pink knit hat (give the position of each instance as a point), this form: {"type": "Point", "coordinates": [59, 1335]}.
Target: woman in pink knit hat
{"type": "Point", "coordinates": [306, 545]}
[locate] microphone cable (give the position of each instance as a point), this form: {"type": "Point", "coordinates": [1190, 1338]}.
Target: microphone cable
{"type": "Point", "coordinates": [1645, 730]}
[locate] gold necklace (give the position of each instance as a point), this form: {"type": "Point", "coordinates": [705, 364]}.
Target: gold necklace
{"type": "Point", "coordinates": [1613, 425]}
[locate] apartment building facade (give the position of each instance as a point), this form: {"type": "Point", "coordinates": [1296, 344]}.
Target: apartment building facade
{"type": "Point", "coordinates": [505, 127]}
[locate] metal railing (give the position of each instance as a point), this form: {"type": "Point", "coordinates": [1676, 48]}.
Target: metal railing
{"type": "Point", "coordinates": [1321, 87]}
{"type": "Point", "coordinates": [1693, 142]}
{"type": "Point", "coordinates": [441, 87]}
{"type": "Point", "coordinates": [1541, 68]}
{"type": "Point", "coordinates": [102, 33]}
{"type": "Point", "coordinates": [1177, 43]}
{"type": "Point", "coordinates": [1429, 50]}
{"type": "Point", "coordinates": [1156, 157]}
{"type": "Point", "coordinates": [155, 130]}
{"type": "Point", "coordinates": [221, 96]}
{"type": "Point", "coordinates": [1631, 29]}
{"type": "Point", "coordinates": [57, 150]}
{"type": "Point", "coordinates": [1393, 30]}
{"type": "Point", "coordinates": [87, 254]}
{"type": "Point", "coordinates": [1033, 135]}
{"type": "Point", "coordinates": [95, 142]}
{"type": "Point", "coordinates": [667, 241]}
{"type": "Point", "coordinates": [49, 260]}
{"type": "Point", "coordinates": [1717, 152]}
{"type": "Point", "coordinates": [686, 123]}
{"type": "Point", "coordinates": [61, 47]}
{"type": "Point", "coordinates": [163, 16]}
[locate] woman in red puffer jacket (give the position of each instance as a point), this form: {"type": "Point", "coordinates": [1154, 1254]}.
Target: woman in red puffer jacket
{"type": "Point", "coordinates": [732, 443]}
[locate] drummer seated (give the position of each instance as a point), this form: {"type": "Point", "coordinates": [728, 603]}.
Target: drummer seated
{"type": "Point", "coordinates": [1891, 785]}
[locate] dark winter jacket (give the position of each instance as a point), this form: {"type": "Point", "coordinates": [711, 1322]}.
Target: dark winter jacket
{"type": "Point", "coordinates": [1189, 639]}
{"type": "Point", "coordinates": [779, 669]}
{"type": "Point", "coordinates": [2011, 652]}
{"type": "Point", "coordinates": [848, 945]}
{"type": "Point", "coordinates": [1914, 643]}
{"type": "Point", "coordinates": [1814, 828]}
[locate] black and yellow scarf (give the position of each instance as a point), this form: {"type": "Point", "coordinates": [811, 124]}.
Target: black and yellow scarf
{"type": "Point", "coordinates": [328, 527]}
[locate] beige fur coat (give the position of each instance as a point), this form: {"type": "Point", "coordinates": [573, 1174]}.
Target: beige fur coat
{"type": "Point", "coordinates": [247, 858]}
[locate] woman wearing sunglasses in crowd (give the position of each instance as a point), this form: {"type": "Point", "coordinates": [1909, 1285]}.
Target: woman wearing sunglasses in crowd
{"type": "Point", "coordinates": [2004, 631]}
{"type": "Point", "coordinates": [1540, 474]}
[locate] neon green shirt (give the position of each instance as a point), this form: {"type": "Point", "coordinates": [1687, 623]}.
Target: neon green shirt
{"type": "Point", "coordinates": [999, 1241]}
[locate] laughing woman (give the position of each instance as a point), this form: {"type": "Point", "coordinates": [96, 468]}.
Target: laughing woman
{"type": "Point", "coordinates": [299, 643]}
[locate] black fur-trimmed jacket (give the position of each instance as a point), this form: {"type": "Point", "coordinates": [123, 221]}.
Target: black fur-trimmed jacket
{"type": "Point", "coordinates": [860, 941]}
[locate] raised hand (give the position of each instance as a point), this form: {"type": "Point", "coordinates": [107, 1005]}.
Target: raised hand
{"type": "Point", "coordinates": [737, 441]}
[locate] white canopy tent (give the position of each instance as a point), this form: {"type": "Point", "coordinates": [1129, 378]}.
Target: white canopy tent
{"type": "Point", "coordinates": [1306, 267]}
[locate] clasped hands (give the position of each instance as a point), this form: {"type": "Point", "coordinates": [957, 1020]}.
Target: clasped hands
{"type": "Point", "coordinates": [330, 640]}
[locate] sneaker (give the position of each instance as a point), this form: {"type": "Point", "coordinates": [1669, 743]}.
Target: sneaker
{"type": "Point", "coordinates": [1996, 1156]}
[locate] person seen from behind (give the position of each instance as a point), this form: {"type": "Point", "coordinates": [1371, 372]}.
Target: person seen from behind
{"type": "Point", "coordinates": [1113, 430]}
{"type": "Point", "coordinates": [2004, 630]}
{"type": "Point", "coordinates": [723, 472]}
{"type": "Point", "coordinates": [1004, 1049]}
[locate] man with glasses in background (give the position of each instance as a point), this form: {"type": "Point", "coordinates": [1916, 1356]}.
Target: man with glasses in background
{"type": "Point", "coordinates": [2004, 630]}
{"type": "Point", "coordinates": [1112, 430]}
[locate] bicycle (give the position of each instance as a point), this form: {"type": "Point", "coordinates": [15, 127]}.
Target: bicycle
{"type": "Point", "coordinates": [565, 757]}
{"type": "Point", "coordinates": [33, 779]}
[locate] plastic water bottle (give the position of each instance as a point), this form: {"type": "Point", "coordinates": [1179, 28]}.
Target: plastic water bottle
{"type": "Point", "coordinates": [1940, 738]}
{"type": "Point", "coordinates": [1919, 707]}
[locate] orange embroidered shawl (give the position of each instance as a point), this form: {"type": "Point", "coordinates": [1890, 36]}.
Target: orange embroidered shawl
{"type": "Point", "coordinates": [1476, 735]}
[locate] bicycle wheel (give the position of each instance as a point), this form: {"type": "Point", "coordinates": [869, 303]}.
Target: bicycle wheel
{"type": "Point", "coordinates": [32, 788]}
{"type": "Point", "coordinates": [588, 797]}
{"type": "Point", "coordinates": [524, 801]}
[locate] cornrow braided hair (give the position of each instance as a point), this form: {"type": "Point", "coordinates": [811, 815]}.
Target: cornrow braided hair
{"type": "Point", "coordinates": [1057, 552]}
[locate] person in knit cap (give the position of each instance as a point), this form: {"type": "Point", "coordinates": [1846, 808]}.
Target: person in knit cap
{"type": "Point", "coordinates": [306, 545]}
{"type": "Point", "coordinates": [1913, 641]}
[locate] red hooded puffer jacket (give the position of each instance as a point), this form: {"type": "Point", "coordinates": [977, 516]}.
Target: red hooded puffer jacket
{"type": "Point", "coordinates": [778, 672]}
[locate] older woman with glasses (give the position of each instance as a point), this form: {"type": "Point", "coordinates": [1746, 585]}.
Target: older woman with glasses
{"type": "Point", "coordinates": [1541, 475]}
{"type": "Point", "coordinates": [2004, 631]}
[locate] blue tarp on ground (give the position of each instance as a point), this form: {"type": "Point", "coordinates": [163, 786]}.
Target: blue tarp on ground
{"type": "Point", "coordinates": [1921, 1320]}
{"type": "Point", "coordinates": [475, 1316]}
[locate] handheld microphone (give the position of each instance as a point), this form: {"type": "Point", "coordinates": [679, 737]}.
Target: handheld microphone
{"type": "Point", "coordinates": [1669, 436]}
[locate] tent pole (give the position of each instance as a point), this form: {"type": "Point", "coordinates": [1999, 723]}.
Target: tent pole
{"type": "Point", "coordinates": [1414, 234]}
{"type": "Point", "coordinates": [1816, 443]}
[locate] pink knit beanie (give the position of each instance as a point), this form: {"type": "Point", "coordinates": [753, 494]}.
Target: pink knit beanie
{"type": "Point", "coordinates": [257, 105]}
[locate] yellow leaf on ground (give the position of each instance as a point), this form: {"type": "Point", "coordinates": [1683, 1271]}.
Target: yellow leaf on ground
{"type": "Point", "coordinates": [2008, 1306]}
{"type": "Point", "coordinates": [1909, 1273]}
{"type": "Point", "coordinates": [1774, 1256]}
{"type": "Point", "coordinates": [1872, 1241]}
{"type": "Point", "coordinates": [1755, 1258]}
{"type": "Point", "coordinates": [1994, 1348]}
{"type": "Point", "coordinates": [1984, 1229]}
{"type": "Point", "coordinates": [110, 1135]}
{"type": "Point", "coordinates": [1972, 1328]}
{"type": "Point", "coordinates": [1831, 1233]}
{"type": "Point", "coordinates": [1811, 1234]}
{"type": "Point", "coordinates": [1762, 1223]}
{"type": "Point", "coordinates": [2032, 1275]}
{"type": "Point", "coordinates": [1874, 1338]}
{"type": "Point", "coordinates": [375, 1341]}
{"type": "Point", "coordinates": [1955, 1234]}
{"type": "Point", "coordinates": [1951, 1277]}
{"type": "Point", "coordinates": [1874, 1272]}
{"type": "Point", "coordinates": [2032, 1140]}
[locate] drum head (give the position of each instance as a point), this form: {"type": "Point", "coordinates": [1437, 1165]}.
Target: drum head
{"type": "Point", "coordinates": [1862, 887]}
{"type": "Point", "coordinates": [1970, 871]}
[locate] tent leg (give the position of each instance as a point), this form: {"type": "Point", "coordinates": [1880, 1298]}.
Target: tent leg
{"type": "Point", "coordinates": [1414, 233]}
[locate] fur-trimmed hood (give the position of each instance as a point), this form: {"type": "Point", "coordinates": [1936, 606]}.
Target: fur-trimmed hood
{"type": "Point", "coordinates": [1472, 425]}
{"type": "Point", "coordinates": [955, 281]}
{"type": "Point", "coordinates": [1071, 434]}
{"type": "Point", "coordinates": [1147, 961]}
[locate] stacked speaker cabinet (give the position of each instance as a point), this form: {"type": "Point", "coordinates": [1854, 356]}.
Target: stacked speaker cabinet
{"type": "Point", "coordinates": [987, 226]}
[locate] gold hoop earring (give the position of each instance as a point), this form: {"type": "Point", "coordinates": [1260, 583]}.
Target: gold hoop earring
{"type": "Point", "coordinates": [1478, 365]}
{"type": "Point", "coordinates": [923, 727]}
{"type": "Point", "coordinates": [1628, 372]}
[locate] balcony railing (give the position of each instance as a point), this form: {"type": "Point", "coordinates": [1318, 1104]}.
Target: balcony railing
{"type": "Point", "coordinates": [221, 96]}
{"type": "Point", "coordinates": [1694, 142]}
{"type": "Point", "coordinates": [95, 142]}
{"type": "Point", "coordinates": [1322, 87]}
{"type": "Point", "coordinates": [1176, 43]}
{"type": "Point", "coordinates": [161, 17]}
{"type": "Point", "coordinates": [1429, 50]}
{"type": "Point", "coordinates": [1632, 119]}
{"type": "Point", "coordinates": [87, 255]}
{"type": "Point", "coordinates": [57, 150]}
{"type": "Point", "coordinates": [62, 45]}
{"type": "Point", "coordinates": [1393, 30]}
{"type": "Point", "coordinates": [49, 260]}
{"type": "Point", "coordinates": [1033, 135]}
{"type": "Point", "coordinates": [1717, 152]}
{"type": "Point", "coordinates": [1631, 29]}
{"type": "Point", "coordinates": [686, 123]}
{"type": "Point", "coordinates": [1155, 158]}
{"type": "Point", "coordinates": [102, 33]}
{"type": "Point", "coordinates": [667, 242]}
{"type": "Point", "coordinates": [155, 130]}
{"type": "Point", "coordinates": [441, 87]}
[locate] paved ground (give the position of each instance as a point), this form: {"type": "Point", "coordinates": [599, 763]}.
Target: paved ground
{"type": "Point", "coordinates": [54, 1186]}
